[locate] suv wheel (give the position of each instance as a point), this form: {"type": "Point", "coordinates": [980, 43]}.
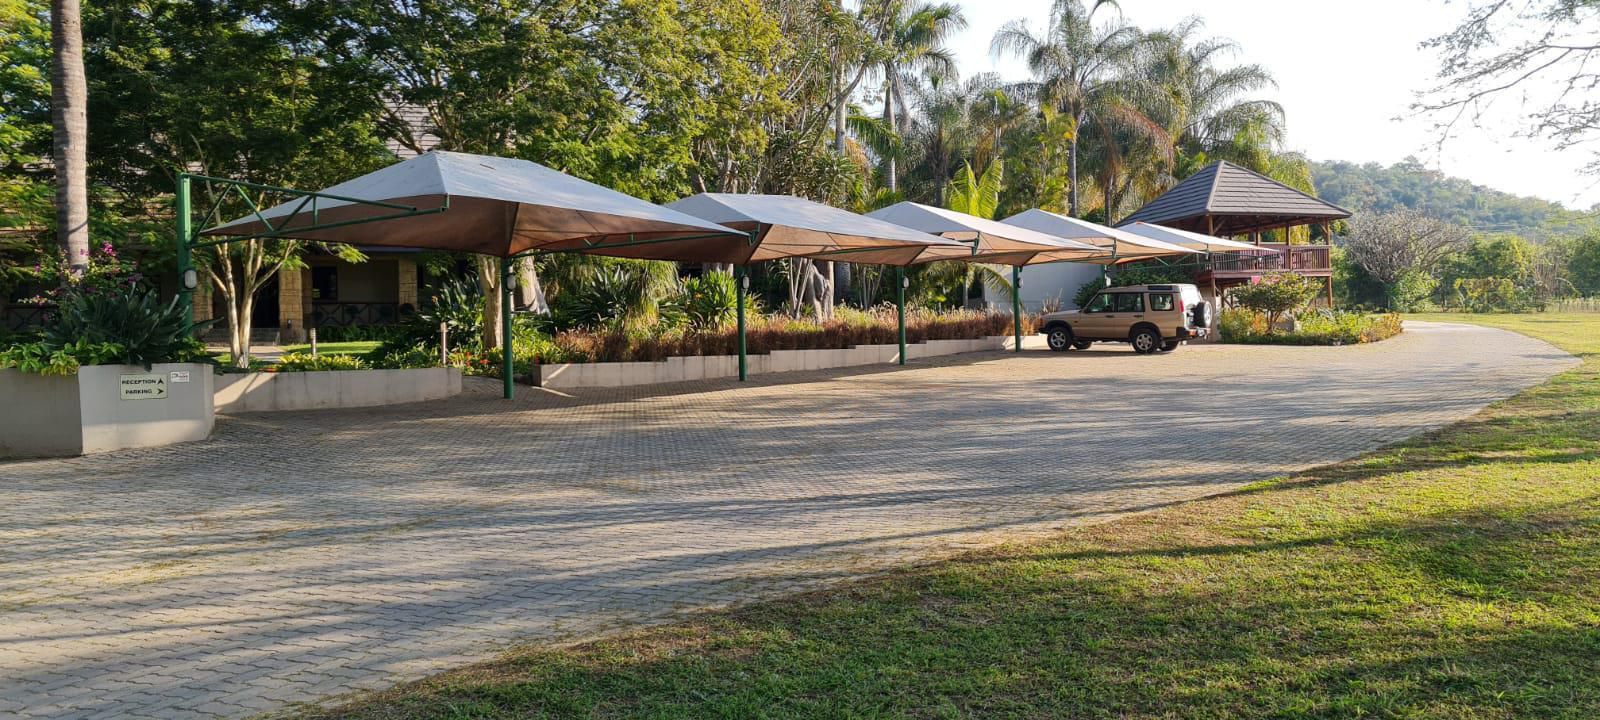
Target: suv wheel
{"type": "Point", "coordinates": [1081, 344]}
{"type": "Point", "coordinates": [1059, 338]}
{"type": "Point", "coordinates": [1145, 340]}
{"type": "Point", "coordinates": [1170, 345]}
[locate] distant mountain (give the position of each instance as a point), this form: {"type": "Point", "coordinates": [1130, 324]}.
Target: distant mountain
{"type": "Point", "coordinates": [1408, 184]}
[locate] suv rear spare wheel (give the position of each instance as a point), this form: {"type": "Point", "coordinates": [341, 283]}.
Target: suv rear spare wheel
{"type": "Point", "coordinates": [1201, 314]}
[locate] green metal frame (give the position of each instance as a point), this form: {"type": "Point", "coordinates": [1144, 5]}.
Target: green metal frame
{"type": "Point", "coordinates": [189, 239]}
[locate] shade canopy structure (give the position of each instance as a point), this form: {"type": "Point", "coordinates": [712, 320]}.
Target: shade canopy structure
{"type": "Point", "coordinates": [1195, 240]}
{"type": "Point", "coordinates": [990, 241]}
{"type": "Point", "coordinates": [490, 206]}
{"type": "Point", "coordinates": [494, 206]}
{"type": "Point", "coordinates": [1123, 246]}
{"type": "Point", "coordinates": [783, 226]}
{"type": "Point", "coordinates": [787, 226]}
{"type": "Point", "coordinates": [1226, 199]}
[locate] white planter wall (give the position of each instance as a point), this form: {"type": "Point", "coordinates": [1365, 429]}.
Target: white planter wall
{"type": "Point", "coordinates": [685, 369]}
{"type": "Point", "coordinates": [86, 413]}
{"type": "Point", "coordinates": [272, 392]}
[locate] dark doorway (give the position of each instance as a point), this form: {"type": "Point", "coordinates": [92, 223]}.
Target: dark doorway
{"type": "Point", "coordinates": [265, 313]}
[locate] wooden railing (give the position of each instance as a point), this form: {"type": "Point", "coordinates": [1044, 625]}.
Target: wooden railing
{"type": "Point", "coordinates": [344, 314]}
{"type": "Point", "coordinates": [1288, 257]}
{"type": "Point", "coordinates": [24, 316]}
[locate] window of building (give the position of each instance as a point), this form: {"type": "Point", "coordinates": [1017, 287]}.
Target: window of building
{"type": "Point", "coordinates": [325, 283]}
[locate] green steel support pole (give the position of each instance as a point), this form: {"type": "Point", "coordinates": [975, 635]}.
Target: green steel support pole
{"type": "Point", "coordinates": [739, 275]}
{"type": "Point", "coordinates": [185, 264]}
{"type": "Point", "coordinates": [900, 308]}
{"type": "Point", "coordinates": [505, 325]}
{"type": "Point", "coordinates": [1016, 305]}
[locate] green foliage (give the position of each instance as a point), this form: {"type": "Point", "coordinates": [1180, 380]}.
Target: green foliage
{"type": "Point", "coordinates": [303, 362]}
{"type": "Point", "coordinates": [417, 357]}
{"type": "Point", "coordinates": [1275, 295]}
{"type": "Point", "coordinates": [1322, 327]}
{"type": "Point", "coordinates": [1584, 264]}
{"type": "Point", "coordinates": [977, 195]}
{"type": "Point", "coordinates": [24, 84]}
{"type": "Point", "coordinates": [1132, 275]}
{"type": "Point", "coordinates": [1492, 294]}
{"type": "Point", "coordinates": [145, 330]}
{"type": "Point", "coordinates": [609, 292]}
{"type": "Point", "coordinates": [709, 302]}
{"type": "Point", "coordinates": [45, 358]}
{"type": "Point", "coordinates": [1411, 292]}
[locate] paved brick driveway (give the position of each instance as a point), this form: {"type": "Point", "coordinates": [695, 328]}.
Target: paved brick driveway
{"type": "Point", "coordinates": [297, 556]}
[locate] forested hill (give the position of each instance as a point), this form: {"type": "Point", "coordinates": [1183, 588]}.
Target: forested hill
{"type": "Point", "coordinates": [1408, 184]}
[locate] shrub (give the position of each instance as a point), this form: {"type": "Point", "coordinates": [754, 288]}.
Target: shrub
{"type": "Point", "coordinates": [1275, 295]}
{"type": "Point", "coordinates": [367, 333]}
{"type": "Point", "coordinates": [305, 362]}
{"type": "Point", "coordinates": [1322, 327]}
{"type": "Point", "coordinates": [709, 302]}
{"type": "Point", "coordinates": [42, 358]}
{"type": "Point", "coordinates": [134, 320]}
{"type": "Point", "coordinates": [1411, 292]}
{"type": "Point", "coordinates": [417, 357]}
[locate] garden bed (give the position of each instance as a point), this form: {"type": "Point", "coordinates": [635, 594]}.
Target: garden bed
{"type": "Point", "coordinates": [101, 408]}
{"type": "Point", "coordinates": [1319, 327]}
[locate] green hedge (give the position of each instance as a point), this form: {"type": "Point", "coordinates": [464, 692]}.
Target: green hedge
{"type": "Point", "coordinates": [1316, 327]}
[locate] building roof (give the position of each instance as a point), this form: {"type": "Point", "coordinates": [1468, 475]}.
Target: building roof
{"type": "Point", "coordinates": [1226, 199]}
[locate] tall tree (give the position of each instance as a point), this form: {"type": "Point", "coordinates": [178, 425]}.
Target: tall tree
{"type": "Point", "coordinates": [917, 33]}
{"type": "Point", "coordinates": [628, 95]}
{"type": "Point", "coordinates": [1540, 54]}
{"type": "Point", "coordinates": [1077, 65]}
{"type": "Point", "coordinates": [69, 110]}
{"type": "Point", "coordinates": [218, 89]}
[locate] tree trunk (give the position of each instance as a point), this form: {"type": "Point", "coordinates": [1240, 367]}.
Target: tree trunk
{"type": "Point", "coordinates": [69, 99]}
{"type": "Point", "coordinates": [1072, 181]}
{"type": "Point", "coordinates": [489, 286]}
{"type": "Point", "coordinates": [243, 327]}
{"type": "Point", "coordinates": [529, 290]}
{"type": "Point", "coordinates": [890, 169]}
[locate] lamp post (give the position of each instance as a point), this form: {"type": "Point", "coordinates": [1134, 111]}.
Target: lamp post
{"type": "Point", "coordinates": [900, 308]}
{"type": "Point", "coordinates": [741, 281]}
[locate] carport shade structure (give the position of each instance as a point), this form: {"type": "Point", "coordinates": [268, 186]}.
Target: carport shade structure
{"type": "Point", "coordinates": [991, 242]}
{"type": "Point", "coordinates": [493, 206]}
{"type": "Point", "coordinates": [1194, 240]}
{"type": "Point", "coordinates": [1123, 246]}
{"type": "Point", "coordinates": [781, 226]}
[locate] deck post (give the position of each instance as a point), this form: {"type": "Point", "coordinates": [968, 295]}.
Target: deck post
{"type": "Point", "coordinates": [1016, 305]}
{"type": "Point", "coordinates": [900, 308]}
{"type": "Point", "coordinates": [741, 276]}
{"type": "Point", "coordinates": [505, 327]}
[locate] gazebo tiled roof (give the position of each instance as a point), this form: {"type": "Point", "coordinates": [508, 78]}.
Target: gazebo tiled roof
{"type": "Point", "coordinates": [1226, 199]}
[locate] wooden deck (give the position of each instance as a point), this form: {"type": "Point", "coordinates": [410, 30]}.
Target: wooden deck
{"type": "Point", "coordinates": [1308, 260]}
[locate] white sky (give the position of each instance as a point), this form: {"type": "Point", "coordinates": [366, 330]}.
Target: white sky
{"type": "Point", "coordinates": [1345, 71]}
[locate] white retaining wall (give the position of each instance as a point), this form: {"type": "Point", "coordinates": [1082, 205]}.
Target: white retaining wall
{"type": "Point", "coordinates": [271, 392]}
{"type": "Point", "coordinates": [684, 369]}
{"type": "Point", "coordinates": [88, 413]}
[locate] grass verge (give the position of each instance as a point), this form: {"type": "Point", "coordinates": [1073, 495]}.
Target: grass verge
{"type": "Point", "coordinates": [1453, 576]}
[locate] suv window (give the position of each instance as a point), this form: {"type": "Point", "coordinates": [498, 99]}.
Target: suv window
{"type": "Point", "coordinates": [1100, 303]}
{"type": "Point", "coordinates": [1130, 302]}
{"type": "Point", "coordinates": [1161, 302]}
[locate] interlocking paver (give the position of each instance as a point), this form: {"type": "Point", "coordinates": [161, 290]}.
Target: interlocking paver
{"type": "Point", "coordinates": [298, 555]}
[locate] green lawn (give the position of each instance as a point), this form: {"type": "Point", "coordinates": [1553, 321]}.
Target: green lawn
{"type": "Point", "coordinates": [1454, 576]}
{"type": "Point", "coordinates": [354, 347]}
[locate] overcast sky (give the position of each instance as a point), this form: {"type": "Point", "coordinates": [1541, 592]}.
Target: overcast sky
{"type": "Point", "coordinates": [1346, 71]}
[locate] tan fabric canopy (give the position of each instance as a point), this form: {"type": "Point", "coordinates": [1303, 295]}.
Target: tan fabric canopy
{"type": "Point", "coordinates": [494, 206]}
{"type": "Point", "coordinates": [788, 226]}
{"type": "Point", "coordinates": [1195, 240]}
{"type": "Point", "coordinates": [990, 241]}
{"type": "Point", "coordinates": [1123, 246]}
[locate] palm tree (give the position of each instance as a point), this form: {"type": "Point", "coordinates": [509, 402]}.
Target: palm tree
{"type": "Point", "coordinates": [976, 194]}
{"type": "Point", "coordinates": [1078, 67]}
{"type": "Point", "coordinates": [1209, 106]}
{"type": "Point", "coordinates": [69, 101]}
{"type": "Point", "coordinates": [916, 35]}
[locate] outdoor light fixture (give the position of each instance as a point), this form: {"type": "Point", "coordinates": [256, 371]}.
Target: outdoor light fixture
{"type": "Point", "coordinates": [191, 279]}
{"type": "Point", "coordinates": [745, 281]}
{"type": "Point", "coordinates": [905, 282]}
